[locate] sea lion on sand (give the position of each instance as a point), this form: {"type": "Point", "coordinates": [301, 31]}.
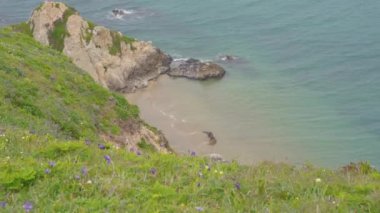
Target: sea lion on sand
{"type": "Point", "coordinates": [211, 137]}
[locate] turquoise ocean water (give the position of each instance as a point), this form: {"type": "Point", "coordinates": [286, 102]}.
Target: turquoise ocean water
{"type": "Point", "coordinates": [307, 87]}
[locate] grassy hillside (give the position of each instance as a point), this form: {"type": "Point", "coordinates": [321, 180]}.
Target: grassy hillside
{"type": "Point", "coordinates": [52, 157]}
{"type": "Point", "coordinates": [42, 91]}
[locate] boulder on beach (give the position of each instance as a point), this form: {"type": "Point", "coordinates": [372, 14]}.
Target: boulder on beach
{"type": "Point", "coordinates": [216, 157]}
{"type": "Point", "coordinates": [195, 69]}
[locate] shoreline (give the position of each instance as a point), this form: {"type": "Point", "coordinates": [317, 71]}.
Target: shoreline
{"type": "Point", "coordinates": [162, 106]}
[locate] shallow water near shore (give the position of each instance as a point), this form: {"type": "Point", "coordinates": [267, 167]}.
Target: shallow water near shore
{"type": "Point", "coordinates": [308, 90]}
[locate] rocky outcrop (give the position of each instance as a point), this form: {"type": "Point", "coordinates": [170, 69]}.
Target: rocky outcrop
{"type": "Point", "coordinates": [115, 61]}
{"type": "Point", "coordinates": [134, 132]}
{"type": "Point", "coordinates": [195, 69]}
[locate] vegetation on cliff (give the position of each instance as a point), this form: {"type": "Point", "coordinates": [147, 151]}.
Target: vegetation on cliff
{"type": "Point", "coordinates": [53, 159]}
{"type": "Point", "coordinates": [59, 32]}
{"type": "Point", "coordinates": [117, 39]}
{"type": "Point", "coordinates": [41, 90]}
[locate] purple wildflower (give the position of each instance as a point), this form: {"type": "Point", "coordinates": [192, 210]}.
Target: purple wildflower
{"type": "Point", "coordinates": [84, 171]}
{"type": "Point", "coordinates": [101, 146]}
{"type": "Point", "coordinates": [52, 163]}
{"type": "Point", "coordinates": [200, 209]}
{"type": "Point", "coordinates": [138, 153]}
{"type": "Point", "coordinates": [28, 206]}
{"type": "Point", "coordinates": [162, 144]}
{"type": "Point", "coordinates": [107, 158]}
{"type": "Point", "coordinates": [192, 153]}
{"type": "Point", "coordinates": [3, 204]}
{"type": "Point", "coordinates": [153, 171]}
{"type": "Point", "coordinates": [47, 171]}
{"type": "Point", "coordinates": [237, 185]}
{"type": "Point", "coordinates": [132, 149]}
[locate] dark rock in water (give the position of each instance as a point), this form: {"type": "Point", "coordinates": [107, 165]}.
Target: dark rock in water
{"type": "Point", "coordinates": [195, 69]}
{"type": "Point", "coordinates": [229, 59]}
{"type": "Point", "coordinates": [211, 137]}
{"type": "Point", "coordinates": [118, 12]}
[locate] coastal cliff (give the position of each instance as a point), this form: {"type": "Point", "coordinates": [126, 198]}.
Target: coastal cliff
{"type": "Point", "coordinates": [66, 145]}
{"type": "Point", "coordinates": [115, 61]}
{"type": "Point", "coordinates": [43, 92]}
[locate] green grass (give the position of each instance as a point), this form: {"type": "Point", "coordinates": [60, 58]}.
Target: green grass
{"type": "Point", "coordinates": [117, 40]}
{"type": "Point", "coordinates": [89, 32]}
{"type": "Point", "coordinates": [154, 182]}
{"type": "Point", "coordinates": [23, 27]}
{"type": "Point", "coordinates": [52, 115]}
{"type": "Point", "coordinates": [59, 32]}
{"type": "Point", "coordinates": [42, 91]}
{"type": "Point", "coordinates": [143, 145]}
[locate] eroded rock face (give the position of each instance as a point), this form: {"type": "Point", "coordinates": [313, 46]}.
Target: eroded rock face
{"type": "Point", "coordinates": [195, 69]}
{"type": "Point", "coordinates": [43, 19]}
{"type": "Point", "coordinates": [113, 60]}
{"type": "Point", "coordinates": [134, 131]}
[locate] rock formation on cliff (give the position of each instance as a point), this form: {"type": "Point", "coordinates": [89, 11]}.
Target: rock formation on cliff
{"type": "Point", "coordinates": [115, 61]}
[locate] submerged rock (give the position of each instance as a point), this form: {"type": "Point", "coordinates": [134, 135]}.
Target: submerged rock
{"type": "Point", "coordinates": [230, 59]}
{"type": "Point", "coordinates": [195, 69]}
{"type": "Point", "coordinates": [119, 12]}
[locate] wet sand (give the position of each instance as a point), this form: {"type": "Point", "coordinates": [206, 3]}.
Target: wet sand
{"type": "Point", "coordinates": [183, 109]}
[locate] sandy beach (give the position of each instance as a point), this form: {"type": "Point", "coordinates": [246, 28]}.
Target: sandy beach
{"type": "Point", "coordinates": [181, 116]}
